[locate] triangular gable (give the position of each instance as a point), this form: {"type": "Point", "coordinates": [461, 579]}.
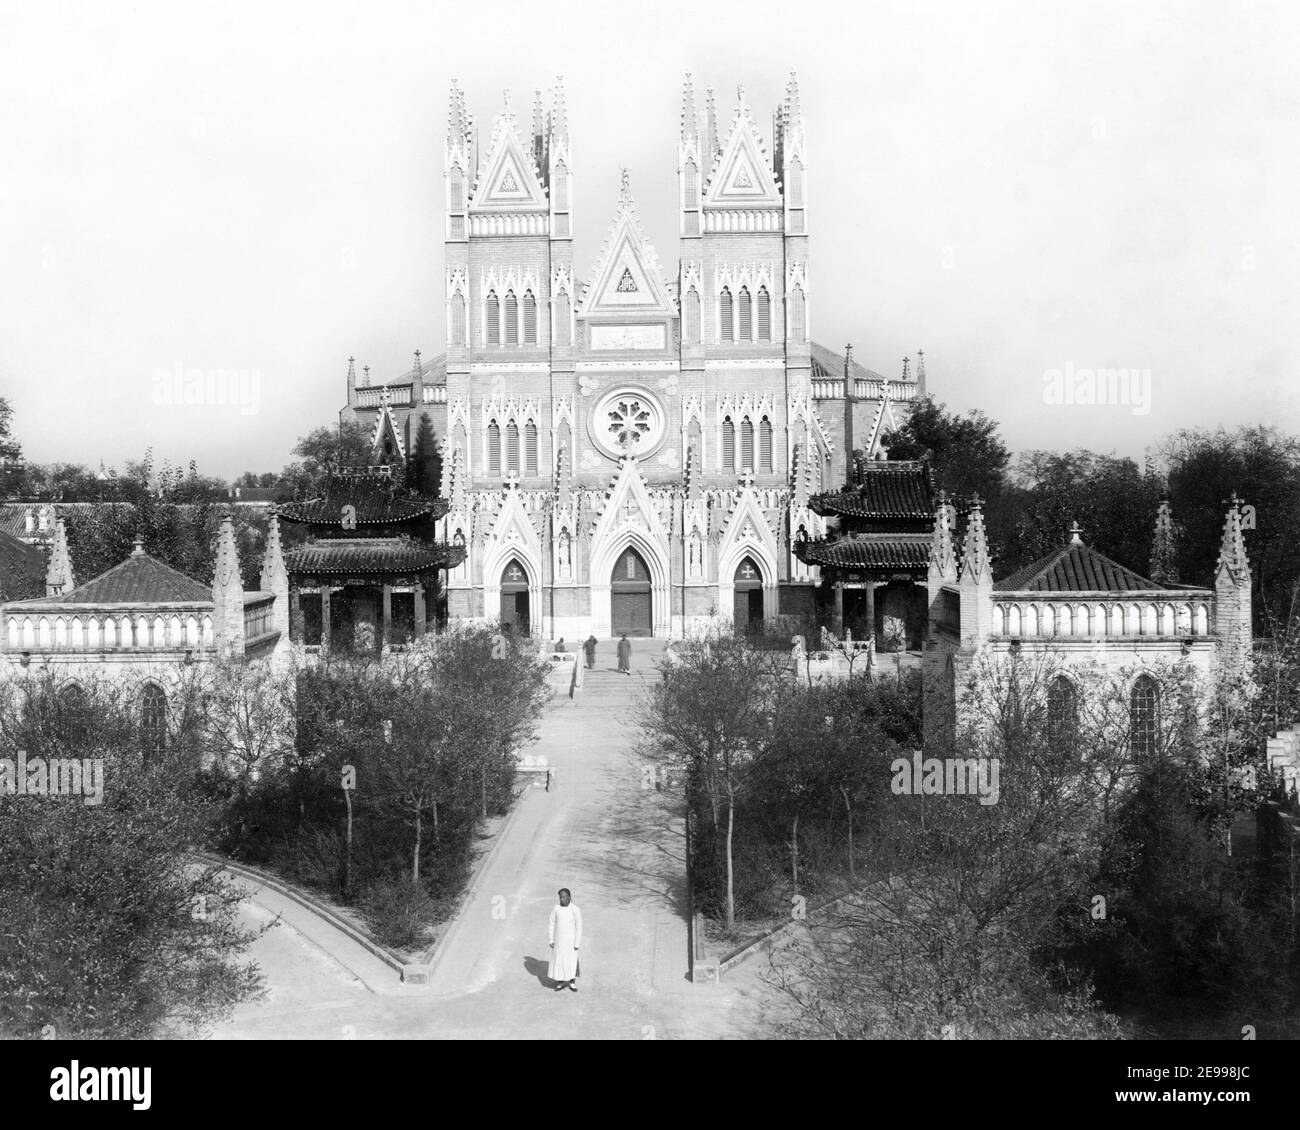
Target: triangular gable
{"type": "Point", "coordinates": [513, 534]}
{"type": "Point", "coordinates": [627, 275]}
{"type": "Point", "coordinates": [508, 178]}
{"type": "Point", "coordinates": [386, 429]}
{"type": "Point", "coordinates": [747, 534]}
{"type": "Point", "coordinates": [629, 506]}
{"type": "Point", "coordinates": [741, 176]}
{"type": "Point", "coordinates": [885, 421]}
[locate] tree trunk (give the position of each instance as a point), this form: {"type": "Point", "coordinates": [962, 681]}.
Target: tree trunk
{"type": "Point", "coordinates": [415, 863]}
{"type": "Point", "coordinates": [483, 793]}
{"type": "Point", "coordinates": [347, 854]}
{"type": "Point", "coordinates": [848, 808]}
{"type": "Point", "coordinates": [794, 853]}
{"type": "Point", "coordinates": [731, 886]}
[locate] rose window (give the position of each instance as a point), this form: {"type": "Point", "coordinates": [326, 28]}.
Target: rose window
{"type": "Point", "coordinates": [629, 420]}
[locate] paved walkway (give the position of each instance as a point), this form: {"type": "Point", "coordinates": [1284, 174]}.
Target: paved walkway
{"type": "Point", "coordinates": [617, 846]}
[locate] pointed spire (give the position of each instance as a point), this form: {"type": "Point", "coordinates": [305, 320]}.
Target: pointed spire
{"type": "Point", "coordinates": [907, 361]}
{"type": "Point", "coordinates": [975, 547]}
{"type": "Point", "coordinates": [559, 115]}
{"type": "Point", "coordinates": [365, 377]}
{"type": "Point", "coordinates": [58, 577]}
{"type": "Point", "coordinates": [1164, 555]}
{"type": "Point", "coordinates": [352, 372]}
{"type": "Point", "coordinates": [228, 594]}
{"type": "Point", "coordinates": [418, 370]}
{"type": "Point", "coordinates": [227, 568]}
{"type": "Point", "coordinates": [1232, 550]}
{"type": "Point", "coordinates": [538, 118]}
{"type": "Point", "coordinates": [943, 556]}
{"type": "Point", "coordinates": [456, 122]}
{"type": "Point", "coordinates": [711, 123]}
{"type": "Point", "coordinates": [274, 572]}
{"type": "Point", "coordinates": [920, 371]}
{"type": "Point", "coordinates": [690, 121]}
{"type": "Point", "coordinates": [793, 111]}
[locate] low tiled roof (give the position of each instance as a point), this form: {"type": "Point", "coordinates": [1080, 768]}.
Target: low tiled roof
{"type": "Point", "coordinates": [1076, 568]}
{"type": "Point", "coordinates": [140, 579]}
{"type": "Point", "coordinates": [827, 365]}
{"type": "Point", "coordinates": [373, 496]}
{"type": "Point", "coordinates": [372, 555]}
{"type": "Point", "coordinates": [867, 551]}
{"type": "Point", "coordinates": [15, 552]}
{"type": "Point", "coordinates": [13, 515]}
{"type": "Point", "coordinates": [899, 490]}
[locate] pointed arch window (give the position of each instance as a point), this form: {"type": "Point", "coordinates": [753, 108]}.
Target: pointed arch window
{"type": "Point", "coordinates": [745, 312]}
{"type": "Point", "coordinates": [512, 318]}
{"type": "Point", "coordinates": [1144, 717]}
{"type": "Point", "coordinates": [493, 448]}
{"type": "Point", "coordinates": [726, 326]}
{"type": "Point", "coordinates": [530, 448]}
{"type": "Point", "coordinates": [458, 319]}
{"type": "Point", "coordinates": [1063, 716]}
{"type": "Point", "coordinates": [764, 314]}
{"type": "Point", "coordinates": [493, 305]}
{"type": "Point", "coordinates": [561, 319]}
{"type": "Point", "coordinates": [512, 447]}
{"type": "Point", "coordinates": [692, 178]}
{"type": "Point", "coordinates": [798, 319]}
{"type": "Point", "coordinates": [530, 318]}
{"type": "Point", "coordinates": [728, 445]}
{"type": "Point", "coordinates": [765, 446]}
{"type": "Point", "coordinates": [153, 721]}
{"type": "Point", "coordinates": [691, 310]}
{"type": "Point", "coordinates": [561, 181]}
{"type": "Point", "coordinates": [746, 444]}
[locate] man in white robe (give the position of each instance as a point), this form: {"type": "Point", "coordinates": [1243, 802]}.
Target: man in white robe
{"type": "Point", "coordinates": [565, 936]}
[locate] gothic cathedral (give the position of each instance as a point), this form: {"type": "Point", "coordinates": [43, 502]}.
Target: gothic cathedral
{"type": "Point", "coordinates": [633, 452]}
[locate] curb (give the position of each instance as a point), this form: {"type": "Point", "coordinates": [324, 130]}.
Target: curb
{"type": "Point", "coordinates": [777, 937]}
{"type": "Point", "coordinates": [306, 902]}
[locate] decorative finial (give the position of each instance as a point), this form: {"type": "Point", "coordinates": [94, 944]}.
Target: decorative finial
{"type": "Point", "coordinates": [1075, 534]}
{"type": "Point", "coordinates": [138, 551]}
{"type": "Point", "coordinates": [418, 370]}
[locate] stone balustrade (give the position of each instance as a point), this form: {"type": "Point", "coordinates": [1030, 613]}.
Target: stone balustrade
{"type": "Point", "coordinates": [863, 390]}
{"type": "Point", "coordinates": [400, 396]}
{"type": "Point", "coordinates": [1027, 618]}
{"type": "Point", "coordinates": [110, 630]}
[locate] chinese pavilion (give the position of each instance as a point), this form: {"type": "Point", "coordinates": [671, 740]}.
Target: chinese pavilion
{"type": "Point", "coordinates": [876, 559]}
{"type": "Point", "coordinates": [364, 579]}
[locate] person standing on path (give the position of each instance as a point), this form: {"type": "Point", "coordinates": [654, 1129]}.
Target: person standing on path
{"type": "Point", "coordinates": [625, 655]}
{"type": "Point", "coordinates": [589, 646]}
{"type": "Point", "coordinates": [564, 937]}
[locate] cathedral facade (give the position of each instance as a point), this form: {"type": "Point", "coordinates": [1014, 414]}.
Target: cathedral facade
{"type": "Point", "coordinates": [632, 451]}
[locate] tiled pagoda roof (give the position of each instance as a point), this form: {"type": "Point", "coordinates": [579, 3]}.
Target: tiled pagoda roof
{"type": "Point", "coordinates": [372, 555]}
{"type": "Point", "coordinates": [868, 551]}
{"type": "Point", "coordinates": [887, 491]}
{"type": "Point", "coordinates": [374, 498]}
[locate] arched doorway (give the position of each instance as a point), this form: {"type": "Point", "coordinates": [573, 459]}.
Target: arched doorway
{"type": "Point", "coordinates": [514, 599]}
{"type": "Point", "coordinates": [630, 598]}
{"type": "Point", "coordinates": [748, 607]}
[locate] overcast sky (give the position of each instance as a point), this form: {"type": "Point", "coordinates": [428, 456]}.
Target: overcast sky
{"type": "Point", "coordinates": [1016, 188]}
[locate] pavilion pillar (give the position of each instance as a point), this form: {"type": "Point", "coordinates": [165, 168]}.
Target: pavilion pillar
{"type": "Point", "coordinates": [324, 619]}
{"type": "Point", "coordinates": [419, 608]}
{"type": "Point", "coordinates": [837, 624]}
{"type": "Point", "coordinates": [295, 615]}
{"type": "Point", "coordinates": [871, 609]}
{"type": "Point", "coordinates": [386, 619]}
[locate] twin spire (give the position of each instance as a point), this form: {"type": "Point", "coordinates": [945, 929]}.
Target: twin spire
{"type": "Point", "coordinates": [787, 123]}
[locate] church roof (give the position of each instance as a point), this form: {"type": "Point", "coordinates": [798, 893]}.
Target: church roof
{"type": "Point", "coordinates": [372, 555]}
{"type": "Point", "coordinates": [373, 497]}
{"type": "Point", "coordinates": [140, 579]}
{"type": "Point", "coordinates": [827, 365]}
{"type": "Point", "coordinates": [867, 551]}
{"type": "Point", "coordinates": [887, 491]}
{"type": "Point", "coordinates": [1076, 568]}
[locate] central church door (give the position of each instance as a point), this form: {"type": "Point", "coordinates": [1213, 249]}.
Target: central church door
{"type": "Point", "coordinates": [630, 597]}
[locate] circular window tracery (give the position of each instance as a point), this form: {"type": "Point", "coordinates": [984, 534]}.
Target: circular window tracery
{"type": "Point", "coordinates": [627, 421]}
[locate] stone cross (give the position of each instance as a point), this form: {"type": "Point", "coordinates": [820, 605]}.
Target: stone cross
{"type": "Point", "coordinates": [747, 479]}
{"type": "Point", "coordinates": [512, 480]}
